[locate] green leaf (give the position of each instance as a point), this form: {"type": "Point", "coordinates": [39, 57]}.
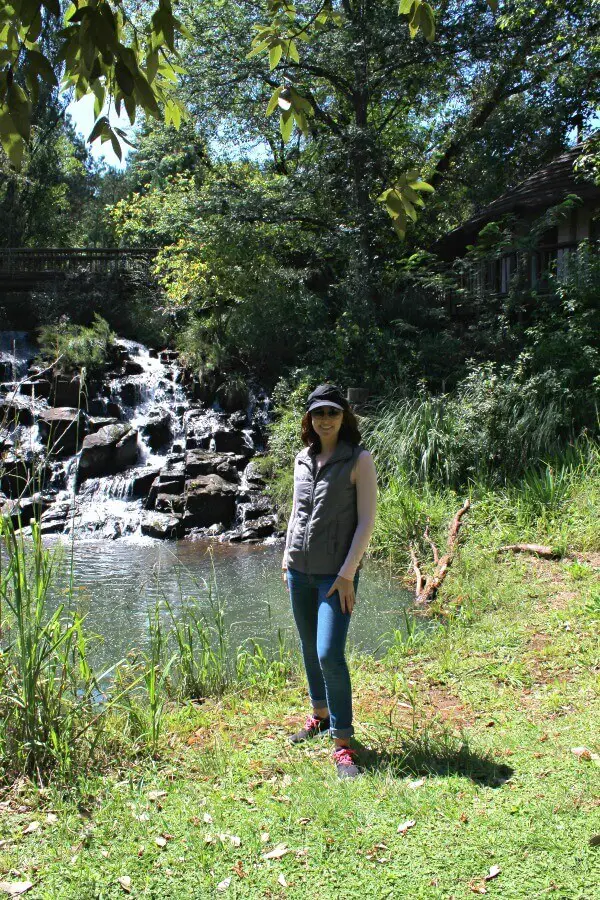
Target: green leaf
{"type": "Point", "coordinates": [422, 186]}
{"type": "Point", "coordinates": [257, 49]}
{"type": "Point", "coordinates": [272, 106]}
{"type": "Point", "coordinates": [123, 135]}
{"type": "Point", "coordinates": [20, 110]}
{"type": "Point", "coordinates": [146, 97]}
{"type": "Point", "coordinates": [14, 147]}
{"type": "Point", "coordinates": [125, 79]}
{"type": "Point", "coordinates": [151, 66]}
{"type": "Point", "coordinates": [286, 124]}
{"type": "Point", "coordinates": [98, 129]}
{"type": "Point", "coordinates": [33, 32]}
{"type": "Point", "coordinates": [130, 106]}
{"type": "Point", "coordinates": [53, 6]}
{"type": "Point", "coordinates": [409, 209]}
{"type": "Point", "coordinates": [301, 121]}
{"type": "Point", "coordinates": [427, 22]}
{"type": "Point", "coordinates": [400, 228]}
{"type": "Point", "coordinates": [393, 204]}
{"type": "Point", "coordinates": [300, 103]}
{"type": "Point", "coordinates": [41, 66]}
{"type": "Point", "coordinates": [293, 52]}
{"type": "Point", "coordinates": [405, 7]}
{"type": "Point", "coordinates": [114, 140]}
{"type": "Point", "coordinates": [275, 54]}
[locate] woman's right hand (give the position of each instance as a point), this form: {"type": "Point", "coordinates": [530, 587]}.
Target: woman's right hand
{"type": "Point", "coordinates": [284, 578]}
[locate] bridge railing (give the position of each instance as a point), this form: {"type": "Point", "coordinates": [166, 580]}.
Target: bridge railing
{"type": "Point", "coordinates": [24, 260]}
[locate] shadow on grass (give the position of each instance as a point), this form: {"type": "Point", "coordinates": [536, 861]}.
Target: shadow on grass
{"type": "Point", "coordinates": [440, 756]}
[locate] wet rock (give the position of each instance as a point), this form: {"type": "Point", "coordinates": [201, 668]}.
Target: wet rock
{"type": "Point", "coordinates": [152, 494]}
{"type": "Point", "coordinates": [168, 356]}
{"type": "Point", "coordinates": [133, 368]}
{"type": "Point", "coordinates": [153, 353]}
{"type": "Point", "coordinates": [160, 525]}
{"type": "Point", "coordinates": [230, 440]}
{"type": "Point", "coordinates": [114, 410]}
{"type": "Point", "coordinates": [98, 422]}
{"type": "Point", "coordinates": [54, 520]}
{"type": "Point", "coordinates": [254, 476]}
{"type": "Point", "coordinates": [24, 509]}
{"type": "Point", "coordinates": [63, 429]}
{"type": "Point", "coordinates": [68, 391]}
{"type": "Point", "coordinates": [172, 476]}
{"type": "Point", "coordinates": [111, 449]}
{"type": "Point", "coordinates": [36, 389]}
{"type": "Point", "coordinates": [204, 462]}
{"type": "Point", "coordinates": [238, 420]}
{"type": "Point", "coordinates": [130, 393]}
{"type": "Point", "coordinates": [157, 429]}
{"type": "Point", "coordinates": [177, 448]}
{"type": "Point", "coordinates": [143, 480]}
{"type": "Point", "coordinates": [255, 509]}
{"type": "Point", "coordinates": [209, 499]}
{"type": "Point", "coordinates": [259, 528]}
{"type": "Point", "coordinates": [169, 503]}
{"type": "Point", "coordinates": [16, 411]}
{"type": "Point", "coordinates": [97, 407]}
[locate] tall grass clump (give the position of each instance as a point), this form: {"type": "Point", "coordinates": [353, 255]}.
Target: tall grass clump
{"type": "Point", "coordinates": [49, 717]}
{"type": "Point", "coordinates": [490, 429]}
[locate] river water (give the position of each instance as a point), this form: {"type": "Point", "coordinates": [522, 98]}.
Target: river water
{"type": "Point", "coordinates": [116, 583]}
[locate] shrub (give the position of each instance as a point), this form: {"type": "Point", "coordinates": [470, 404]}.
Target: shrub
{"type": "Point", "coordinates": [76, 347]}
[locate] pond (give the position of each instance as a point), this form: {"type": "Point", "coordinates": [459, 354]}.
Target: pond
{"type": "Point", "coordinates": [115, 583]}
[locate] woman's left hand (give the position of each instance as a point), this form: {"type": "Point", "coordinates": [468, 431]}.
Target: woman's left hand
{"type": "Point", "coordinates": [345, 588]}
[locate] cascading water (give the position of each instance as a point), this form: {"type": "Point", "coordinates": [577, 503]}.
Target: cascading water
{"type": "Point", "coordinates": [178, 466]}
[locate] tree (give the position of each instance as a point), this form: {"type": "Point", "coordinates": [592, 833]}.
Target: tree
{"type": "Point", "coordinates": [103, 48]}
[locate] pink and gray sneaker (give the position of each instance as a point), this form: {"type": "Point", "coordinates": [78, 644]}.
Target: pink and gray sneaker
{"type": "Point", "coordinates": [312, 727]}
{"type": "Point", "coordinates": [343, 758]}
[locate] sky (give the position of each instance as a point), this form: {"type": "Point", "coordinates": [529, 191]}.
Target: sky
{"type": "Point", "coordinates": [82, 114]}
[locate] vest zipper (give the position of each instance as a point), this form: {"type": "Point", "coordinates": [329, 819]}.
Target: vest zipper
{"type": "Point", "coordinates": [315, 478]}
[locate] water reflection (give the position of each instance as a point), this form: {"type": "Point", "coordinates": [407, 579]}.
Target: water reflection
{"type": "Point", "coordinates": [115, 583]}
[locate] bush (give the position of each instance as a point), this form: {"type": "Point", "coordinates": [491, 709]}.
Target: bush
{"type": "Point", "coordinates": [76, 347]}
{"type": "Point", "coordinates": [492, 428]}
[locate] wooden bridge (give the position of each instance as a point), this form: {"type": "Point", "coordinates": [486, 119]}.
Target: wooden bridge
{"type": "Point", "coordinates": [22, 269]}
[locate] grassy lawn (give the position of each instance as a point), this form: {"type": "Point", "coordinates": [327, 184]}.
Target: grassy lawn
{"type": "Point", "coordinates": [467, 732]}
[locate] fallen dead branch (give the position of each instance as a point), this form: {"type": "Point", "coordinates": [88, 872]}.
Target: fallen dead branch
{"type": "Point", "coordinates": [540, 550]}
{"type": "Point", "coordinates": [426, 587]}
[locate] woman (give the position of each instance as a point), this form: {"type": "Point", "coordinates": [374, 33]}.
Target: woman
{"type": "Point", "coordinates": [335, 490]}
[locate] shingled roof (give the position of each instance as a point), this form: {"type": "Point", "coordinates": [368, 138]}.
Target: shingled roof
{"type": "Point", "coordinates": [545, 188]}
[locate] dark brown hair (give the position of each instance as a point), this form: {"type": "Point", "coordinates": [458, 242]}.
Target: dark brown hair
{"type": "Point", "coordinates": [348, 432]}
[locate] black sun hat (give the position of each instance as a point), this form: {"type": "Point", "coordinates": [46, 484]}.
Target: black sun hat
{"type": "Point", "coordinates": [326, 395]}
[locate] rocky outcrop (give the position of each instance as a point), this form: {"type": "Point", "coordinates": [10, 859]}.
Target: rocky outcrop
{"type": "Point", "coordinates": [209, 499]}
{"type": "Point", "coordinates": [160, 525]}
{"type": "Point", "coordinates": [111, 449]}
{"type": "Point", "coordinates": [67, 390]}
{"type": "Point", "coordinates": [157, 429]}
{"type": "Point", "coordinates": [63, 429]}
{"type": "Point", "coordinates": [200, 479]}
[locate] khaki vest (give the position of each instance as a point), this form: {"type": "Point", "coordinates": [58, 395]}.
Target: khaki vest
{"type": "Point", "coordinates": [326, 516]}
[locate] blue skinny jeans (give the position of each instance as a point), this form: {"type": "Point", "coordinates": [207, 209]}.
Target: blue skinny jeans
{"type": "Point", "coordinates": [323, 629]}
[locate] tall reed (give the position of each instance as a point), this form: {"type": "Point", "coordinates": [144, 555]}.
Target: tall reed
{"type": "Point", "coordinates": [48, 691]}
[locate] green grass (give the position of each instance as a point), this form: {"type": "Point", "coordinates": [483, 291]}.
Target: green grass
{"type": "Point", "coordinates": [468, 731]}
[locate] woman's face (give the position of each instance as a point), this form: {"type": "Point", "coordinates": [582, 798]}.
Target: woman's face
{"type": "Point", "coordinates": [327, 421]}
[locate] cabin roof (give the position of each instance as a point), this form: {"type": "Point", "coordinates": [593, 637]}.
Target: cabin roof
{"type": "Point", "coordinates": [545, 188]}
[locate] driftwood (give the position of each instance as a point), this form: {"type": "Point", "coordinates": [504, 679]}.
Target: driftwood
{"type": "Point", "coordinates": [537, 549]}
{"type": "Point", "coordinates": [427, 587]}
